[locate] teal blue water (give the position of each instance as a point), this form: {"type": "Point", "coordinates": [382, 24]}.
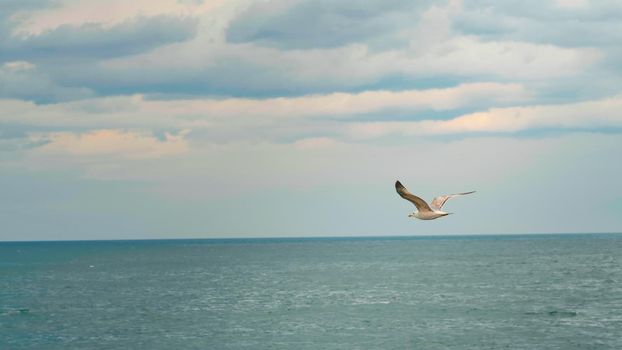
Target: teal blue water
{"type": "Point", "coordinates": [501, 292]}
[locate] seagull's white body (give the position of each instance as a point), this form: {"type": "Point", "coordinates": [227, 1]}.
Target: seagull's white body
{"type": "Point", "coordinates": [427, 215]}
{"type": "Point", "coordinates": [425, 211]}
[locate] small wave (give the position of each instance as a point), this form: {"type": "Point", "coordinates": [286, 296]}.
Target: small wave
{"type": "Point", "coordinates": [554, 313]}
{"type": "Point", "coordinates": [20, 311]}
{"type": "Point", "coordinates": [559, 313]}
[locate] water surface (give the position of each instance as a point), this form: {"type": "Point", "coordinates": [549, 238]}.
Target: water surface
{"type": "Point", "coordinates": [477, 292]}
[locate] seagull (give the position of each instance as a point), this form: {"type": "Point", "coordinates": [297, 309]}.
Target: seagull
{"type": "Point", "coordinates": [425, 211]}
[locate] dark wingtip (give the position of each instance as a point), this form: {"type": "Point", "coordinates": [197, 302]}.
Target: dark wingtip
{"type": "Point", "coordinates": [398, 184]}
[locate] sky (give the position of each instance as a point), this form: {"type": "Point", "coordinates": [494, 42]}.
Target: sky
{"type": "Point", "coordinates": [197, 119]}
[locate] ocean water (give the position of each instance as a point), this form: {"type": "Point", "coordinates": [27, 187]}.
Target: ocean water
{"type": "Point", "coordinates": [486, 292]}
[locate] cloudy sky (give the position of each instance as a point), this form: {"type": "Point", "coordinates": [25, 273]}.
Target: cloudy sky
{"type": "Point", "coordinates": [189, 118]}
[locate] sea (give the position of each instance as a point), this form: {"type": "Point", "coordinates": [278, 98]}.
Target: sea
{"type": "Point", "coordinates": [451, 292]}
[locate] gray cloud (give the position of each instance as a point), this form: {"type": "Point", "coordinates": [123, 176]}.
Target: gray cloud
{"type": "Point", "coordinates": [9, 8]}
{"type": "Point", "coordinates": [278, 48]}
{"type": "Point", "coordinates": [551, 10]}
{"type": "Point", "coordinates": [49, 58]}
{"type": "Point", "coordinates": [22, 80]}
{"type": "Point", "coordinates": [592, 26]}
{"type": "Point", "coordinates": [321, 24]}
{"type": "Point", "coordinates": [70, 43]}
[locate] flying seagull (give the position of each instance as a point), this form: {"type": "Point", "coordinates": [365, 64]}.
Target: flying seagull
{"type": "Point", "coordinates": [425, 211]}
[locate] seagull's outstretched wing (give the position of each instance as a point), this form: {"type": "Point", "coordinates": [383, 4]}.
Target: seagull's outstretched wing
{"type": "Point", "coordinates": [437, 203]}
{"type": "Point", "coordinates": [418, 202]}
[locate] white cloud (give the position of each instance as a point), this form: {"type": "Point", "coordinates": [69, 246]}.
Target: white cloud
{"type": "Point", "coordinates": [467, 55]}
{"type": "Point", "coordinates": [105, 12]}
{"type": "Point", "coordinates": [249, 68]}
{"type": "Point", "coordinates": [347, 104]}
{"type": "Point", "coordinates": [133, 111]}
{"type": "Point", "coordinates": [424, 46]}
{"type": "Point", "coordinates": [435, 26]}
{"type": "Point", "coordinates": [109, 143]}
{"type": "Point", "coordinates": [582, 115]}
{"type": "Point", "coordinates": [229, 120]}
{"type": "Point", "coordinates": [16, 66]}
{"type": "Point", "coordinates": [432, 49]}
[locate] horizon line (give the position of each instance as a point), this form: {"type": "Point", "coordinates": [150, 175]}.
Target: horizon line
{"type": "Point", "coordinates": [340, 237]}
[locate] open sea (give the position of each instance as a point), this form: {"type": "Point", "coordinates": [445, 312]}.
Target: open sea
{"type": "Point", "coordinates": [473, 292]}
